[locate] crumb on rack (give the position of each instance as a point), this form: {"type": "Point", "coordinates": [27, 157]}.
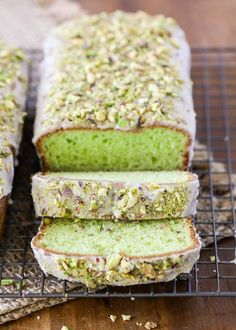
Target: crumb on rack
{"type": "Point", "coordinates": [212, 259]}
{"type": "Point", "coordinates": [126, 317]}
{"type": "Point", "coordinates": [150, 325]}
{"type": "Point", "coordinates": [113, 317]}
{"type": "Point", "coordinates": [64, 327]}
{"type": "Point", "coordinates": [5, 282]}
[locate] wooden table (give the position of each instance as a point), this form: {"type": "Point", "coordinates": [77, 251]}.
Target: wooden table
{"type": "Point", "coordinates": [207, 23]}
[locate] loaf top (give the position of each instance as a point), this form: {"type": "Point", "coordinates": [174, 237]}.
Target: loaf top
{"type": "Point", "coordinates": [6, 168]}
{"type": "Point", "coordinates": [12, 93]}
{"type": "Point", "coordinates": [150, 238]}
{"type": "Point", "coordinates": [116, 71]}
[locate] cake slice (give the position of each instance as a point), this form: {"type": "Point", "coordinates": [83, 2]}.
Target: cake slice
{"type": "Point", "coordinates": [13, 88]}
{"type": "Point", "coordinates": [115, 95]}
{"type": "Point", "coordinates": [115, 195]}
{"type": "Point", "coordinates": [98, 253]}
{"type": "Point", "coordinates": [6, 178]}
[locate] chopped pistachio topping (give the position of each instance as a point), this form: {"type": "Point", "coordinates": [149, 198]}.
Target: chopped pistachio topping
{"type": "Point", "coordinates": [10, 71]}
{"type": "Point", "coordinates": [99, 272]}
{"type": "Point", "coordinates": [4, 153]}
{"type": "Point", "coordinates": [113, 70]}
{"type": "Point", "coordinates": [102, 200]}
{"type": "Point", "coordinates": [113, 317]}
{"type": "Point", "coordinates": [10, 58]}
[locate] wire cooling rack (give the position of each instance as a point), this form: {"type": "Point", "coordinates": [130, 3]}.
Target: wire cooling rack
{"type": "Point", "coordinates": [214, 76]}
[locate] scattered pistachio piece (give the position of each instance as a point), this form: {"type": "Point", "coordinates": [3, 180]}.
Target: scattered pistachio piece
{"type": "Point", "coordinates": [126, 265]}
{"type": "Point", "coordinates": [18, 283]}
{"type": "Point", "coordinates": [64, 327]}
{"type": "Point", "coordinates": [183, 277]}
{"type": "Point", "coordinates": [102, 192]}
{"type": "Point", "coordinates": [212, 259]}
{"type": "Point", "coordinates": [150, 325]}
{"type": "Point", "coordinates": [47, 221]}
{"type": "Point", "coordinates": [113, 317]}
{"type": "Point", "coordinates": [126, 317]}
{"type": "Point", "coordinates": [123, 123]}
{"type": "Point", "coordinates": [6, 282]}
{"type": "Point", "coordinates": [101, 115]}
{"type": "Point", "coordinates": [113, 261]}
{"type": "Point", "coordinates": [93, 205]}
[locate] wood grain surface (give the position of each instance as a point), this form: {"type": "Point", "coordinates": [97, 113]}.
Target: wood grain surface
{"type": "Point", "coordinates": [207, 23]}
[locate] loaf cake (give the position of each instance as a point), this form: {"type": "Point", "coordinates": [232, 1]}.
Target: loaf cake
{"type": "Point", "coordinates": [13, 85]}
{"type": "Point", "coordinates": [13, 82]}
{"type": "Point", "coordinates": [98, 253]}
{"type": "Point", "coordinates": [115, 94]}
{"type": "Point", "coordinates": [115, 195]}
{"type": "Point", "coordinates": [6, 178]}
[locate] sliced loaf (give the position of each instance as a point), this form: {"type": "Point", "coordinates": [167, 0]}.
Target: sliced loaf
{"type": "Point", "coordinates": [115, 195]}
{"type": "Point", "coordinates": [98, 253]}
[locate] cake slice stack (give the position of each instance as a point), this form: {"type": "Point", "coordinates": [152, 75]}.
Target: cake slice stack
{"type": "Point", "coordinates": [116, 95]}
{"type": "Point", "coordinates": [116, 228]}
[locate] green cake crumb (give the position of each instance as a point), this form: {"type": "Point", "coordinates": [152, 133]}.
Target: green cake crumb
{"type": "Point", "coordinates": [93, 150]}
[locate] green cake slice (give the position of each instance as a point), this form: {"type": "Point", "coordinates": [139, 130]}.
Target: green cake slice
{"type": "Point", "coordinates": [115, 94]}
{"type": "Point", "coordinates": [98, 253]}
{"type": "Point", "coordinates": [115, 195]}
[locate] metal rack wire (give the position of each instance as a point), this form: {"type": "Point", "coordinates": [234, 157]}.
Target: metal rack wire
{"type": "Point", "coordinates": [214, 76]}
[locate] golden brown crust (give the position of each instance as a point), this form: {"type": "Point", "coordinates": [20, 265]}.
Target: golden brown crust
{"type": "Point", "coordinates": [3, 209]}
{"type": "Point", "coordinates": [45, 166]}
{"type": "Point", "coordinates": [195, 244]}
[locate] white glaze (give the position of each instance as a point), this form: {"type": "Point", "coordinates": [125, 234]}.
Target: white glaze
{"type": "Point", "coordinates": [6, 170]}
